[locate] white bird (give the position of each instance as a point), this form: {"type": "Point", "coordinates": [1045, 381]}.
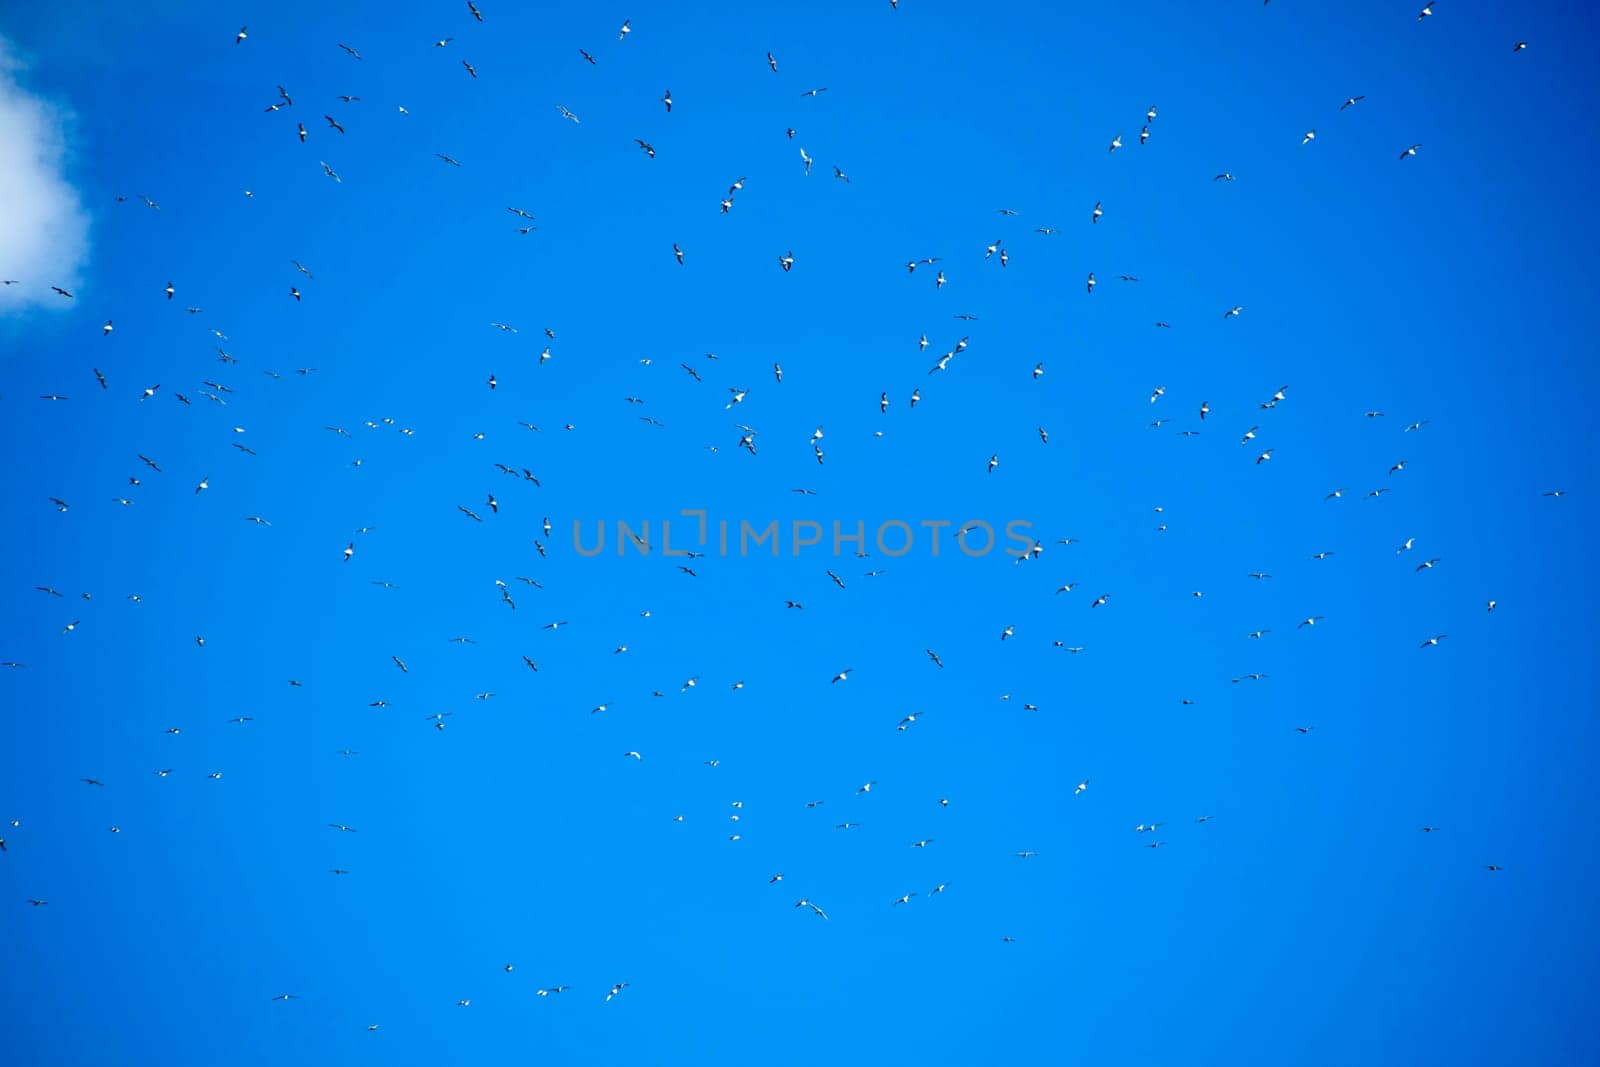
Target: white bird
{"type": "Point", "coordinates": [803, 903]}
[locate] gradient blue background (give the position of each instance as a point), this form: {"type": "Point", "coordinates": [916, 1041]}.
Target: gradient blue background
{"type": "Point", "coordinates": [1309, 921]}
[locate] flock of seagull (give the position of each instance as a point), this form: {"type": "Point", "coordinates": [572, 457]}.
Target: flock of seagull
{"type": "Point", "coordinates": [213, 390]}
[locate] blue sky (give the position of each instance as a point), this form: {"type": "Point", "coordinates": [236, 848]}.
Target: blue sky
{"type": "Point", "coordinates": [1308, 919]}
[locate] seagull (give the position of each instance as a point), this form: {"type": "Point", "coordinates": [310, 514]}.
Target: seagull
{"type": "Point", "coordinates": [1351, 102]}
{"type": "Point", "coordinates": [837, 173]}
{"type": "Point", "coordinates": [1312, 621]}
{"type": "Point", "coordinates": [350, 51]}
{"type": "Point", "coordinates": [622, 34]}
{"type": "Point", "coordinates": [1410, 151]}
{"type": "Point", "coordinates": [649, 149]}
{"type": "Point", "coordinates": [807, 160]}
{"type": "Point", "coordinates": [1311, 135]}
{"type": "Point", "coordinates": [1233, 312]}
{"type": "Point", "coordinates": [1116, 143]}
{"type": "Point", "coordinates": [1089, 285]}
{"type": "Point", "coordinates": [1425, 12]}
{"type": "Point", "coordinates": [1095, 217]}
{"type": "Point", "coordinates": [802, 903]}
{"type": "Point", "coordinates": [842, 676]}
{"type": "Point", "coordinates": [1223, 177]}
{"type": "Point", "coordinates": [1434, 640]}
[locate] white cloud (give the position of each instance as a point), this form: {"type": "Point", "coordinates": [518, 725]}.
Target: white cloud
{"type": "Point", "coordinates": [44, 232]}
